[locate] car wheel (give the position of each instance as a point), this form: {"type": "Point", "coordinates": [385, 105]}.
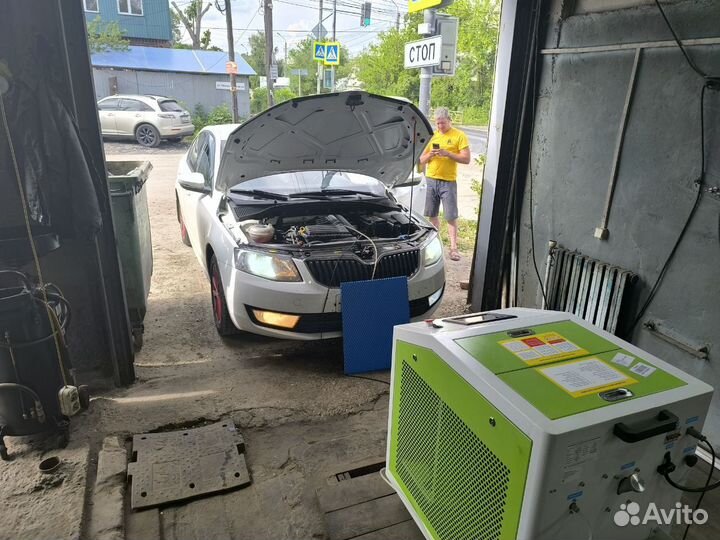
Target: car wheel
{"type": "Point", "coordinates": [147, 135]}
{"type": "Point", "coordinates": [223, 323]}
{"type": "Point", "coordinates": [183, 229]}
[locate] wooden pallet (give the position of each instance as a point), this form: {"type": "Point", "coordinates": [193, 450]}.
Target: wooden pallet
{"type": "Point", "coordinates": [359, 504]}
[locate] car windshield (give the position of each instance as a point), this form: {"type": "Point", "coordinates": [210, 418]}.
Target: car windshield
{"type": "Point", "coordinates": [170, 106]}
{"type": "Point", "coordinates": [334, 182]}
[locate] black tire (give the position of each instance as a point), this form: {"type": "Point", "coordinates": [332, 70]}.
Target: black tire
{"type": "Point", "coordinates": [221, 316]}
{"type": "Point", "coordinates": [147, 135]}
{"type": "Point", "coordinates": [184, 236]}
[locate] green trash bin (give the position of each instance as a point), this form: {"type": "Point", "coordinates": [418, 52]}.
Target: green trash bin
{"type": "Point", "coordinates": [131, 222]}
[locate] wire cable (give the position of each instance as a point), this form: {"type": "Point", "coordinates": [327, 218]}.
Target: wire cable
{"type": "Point", "coordinates": [536, 46]}
{"type": "Point", "coordinates": [690, 61]}
{"type": "Point", "coordinates": [28, 229]}
{"type": "Point", "coordinates": [702, 495]}
{"type": "Point", "coordinates": [377, 255]}
{"type": "Point", "coordinates": [709, 82]}
{"type": "Point", "coordinates": [369, 379]}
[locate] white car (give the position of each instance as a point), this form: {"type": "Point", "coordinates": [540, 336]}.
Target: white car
{"type": "Point", "coordinates": [284, 208]}
{"type": "Point", "coordinates": [147, 119]}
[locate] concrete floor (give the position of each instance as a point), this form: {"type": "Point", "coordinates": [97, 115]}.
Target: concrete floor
{"type": "Point", "coordinates": [300, 416]}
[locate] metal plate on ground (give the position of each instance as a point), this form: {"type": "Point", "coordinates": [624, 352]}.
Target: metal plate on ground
{"type": "Point", "coordinates": [179, 465]}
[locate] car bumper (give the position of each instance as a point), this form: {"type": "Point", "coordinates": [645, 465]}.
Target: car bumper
{"type": "Point", "coordinates": [177, 131]}
{"type": "Point", "coordinates": [318, 307]}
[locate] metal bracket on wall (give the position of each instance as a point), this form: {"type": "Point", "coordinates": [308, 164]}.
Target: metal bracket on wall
{"type": "Point", "coordinates": [702, 352]}
{"type": "Point", "coordinates": [602, 232]}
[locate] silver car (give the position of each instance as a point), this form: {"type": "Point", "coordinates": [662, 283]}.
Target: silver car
{"type": "Point", "coordinates": [284, 208]}
{"type": "Point", "coordinates": [147, 119]}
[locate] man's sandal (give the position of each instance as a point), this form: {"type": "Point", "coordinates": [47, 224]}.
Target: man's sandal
{"type": "Point", "coordinates": [454, 255]}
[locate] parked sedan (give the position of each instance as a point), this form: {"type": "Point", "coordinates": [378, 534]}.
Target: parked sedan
{"type": "Point", "coordinates": [284, 208]}
{"type": "Point", "coordinates": [147, 119]}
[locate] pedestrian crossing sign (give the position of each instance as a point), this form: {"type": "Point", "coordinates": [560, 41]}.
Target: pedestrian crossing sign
{"type": "Point", "coordinates": [332, 53]}
{"type": "Point", "coordinates": [318, 50]}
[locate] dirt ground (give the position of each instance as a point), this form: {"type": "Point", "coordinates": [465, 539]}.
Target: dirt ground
{"type": "Point", "coordinates": [302, 419]}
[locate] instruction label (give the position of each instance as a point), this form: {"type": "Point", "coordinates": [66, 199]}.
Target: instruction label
{"type": "Point", "coordinates": [584, 377]}
{"type": "Point", "coordinates": [543, 348]}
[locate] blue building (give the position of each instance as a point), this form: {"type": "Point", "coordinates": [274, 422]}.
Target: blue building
{"type": "Point", "coordinates": [143, 22]}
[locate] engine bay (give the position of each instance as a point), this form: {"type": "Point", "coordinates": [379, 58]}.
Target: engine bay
{"type": "Point", "coordinates": [307, 231]}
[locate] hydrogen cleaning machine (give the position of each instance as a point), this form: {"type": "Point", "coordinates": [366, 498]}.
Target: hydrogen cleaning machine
{"type": "Point", "coordinates": [536, 425]}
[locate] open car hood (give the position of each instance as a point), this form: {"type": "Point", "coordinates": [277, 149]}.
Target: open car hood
{"type": "Point", "coordinates": [348, 131]}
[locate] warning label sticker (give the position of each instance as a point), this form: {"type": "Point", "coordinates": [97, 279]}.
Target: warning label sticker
{"type": "Point", "coordinates": [584, 377]}
{"type": "Point", "coordinates": [543, 348]}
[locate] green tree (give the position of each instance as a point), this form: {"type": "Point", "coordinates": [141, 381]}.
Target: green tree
{"type": "Point", "coordinates": [256, 56]}
{"type": "Point", "coordinates": [258, 102]}
{"type": "Point", "coordinates": [105, 36]}
{"type": "Point", "coordinates": [380, 67]}
{"type": "Point", "coordinates": [191, 18]}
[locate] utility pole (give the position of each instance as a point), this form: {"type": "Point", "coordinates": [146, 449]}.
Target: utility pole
{"type": "Point", "coordinates": [334, 19]}
{"type": "Point", "coordinates": [231, 58]}
{"type": "Point", "coordinates": [426, 72]}
{"type": "Point", "coordinates": [269, 51]}
{"type": "Point", "coordinates": [320, 64]}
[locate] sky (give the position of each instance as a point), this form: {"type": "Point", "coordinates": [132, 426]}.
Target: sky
{"type": "Point", "coordinates": [293, 20]}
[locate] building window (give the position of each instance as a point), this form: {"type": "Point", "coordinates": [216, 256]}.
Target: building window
{"type": "Point", "coordinates": [92, 5]}
{"type": "Point", "coordinates": [130, 7]}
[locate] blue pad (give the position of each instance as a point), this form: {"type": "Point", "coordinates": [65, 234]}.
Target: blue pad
{"type": "Point", "coordinates": [370, 309]}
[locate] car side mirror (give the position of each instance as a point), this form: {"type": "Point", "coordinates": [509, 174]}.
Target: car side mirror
{"type": "Point", "coordinates": [194, 181]}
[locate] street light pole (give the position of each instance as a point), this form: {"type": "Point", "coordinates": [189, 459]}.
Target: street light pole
{"type": "Point", "coordinates": [397, 15]}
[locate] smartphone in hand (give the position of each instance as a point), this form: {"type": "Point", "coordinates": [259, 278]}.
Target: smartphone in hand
{"type": "Point", "coordinates": [436, 146]}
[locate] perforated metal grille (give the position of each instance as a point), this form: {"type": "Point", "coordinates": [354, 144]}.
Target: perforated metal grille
{"type": "Point", "coordinates": [456, 480]}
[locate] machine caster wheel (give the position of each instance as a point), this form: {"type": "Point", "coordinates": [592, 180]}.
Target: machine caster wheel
{"type": "Point", "coordinates": [84, 396]}
{"type": "Point", "coordinates": [4, 453]}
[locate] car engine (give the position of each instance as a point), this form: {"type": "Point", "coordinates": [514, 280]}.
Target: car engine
{"type": "Point", "coordinates": [319, 230]}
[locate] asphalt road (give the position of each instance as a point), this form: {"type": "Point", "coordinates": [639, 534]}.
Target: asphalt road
{"type": "Point", "coordinates": [478, 138]}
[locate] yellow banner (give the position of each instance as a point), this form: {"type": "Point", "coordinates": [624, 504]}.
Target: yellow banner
{"type": "Point", "coordinates": [419, 5]}
{"type": "Point", "coordinates": [543, 348]}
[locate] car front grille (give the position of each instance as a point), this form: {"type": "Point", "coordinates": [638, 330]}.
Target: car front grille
{"type": "Point", "coordinates": [333, 272]}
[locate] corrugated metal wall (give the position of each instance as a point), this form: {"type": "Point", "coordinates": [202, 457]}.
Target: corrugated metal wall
{"type": "Point", "coordinates": [189, 88]}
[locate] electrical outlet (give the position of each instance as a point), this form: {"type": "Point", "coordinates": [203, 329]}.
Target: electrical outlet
{"type": "Point", "coordinates": [69, 399]}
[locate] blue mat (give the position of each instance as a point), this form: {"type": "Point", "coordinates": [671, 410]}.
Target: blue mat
{"type": "Point", "coordinates": [370, 309]}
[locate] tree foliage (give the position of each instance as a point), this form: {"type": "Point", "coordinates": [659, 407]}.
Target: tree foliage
{"type": "Point", "coordinates": [104, 36]}
{"type": "Point", "coordinates": [380, 67]}
{"type": "Point", "coordinates": [191, 18]}
{"type": "Point", "coordinates": [258, 102]}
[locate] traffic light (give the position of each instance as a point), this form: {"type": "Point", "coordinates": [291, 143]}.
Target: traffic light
{"type": "Point", "coordinates": [365, 14]}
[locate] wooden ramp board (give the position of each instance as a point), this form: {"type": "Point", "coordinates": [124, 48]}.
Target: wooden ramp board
{"type": "Point", "coordinates": [365, 508]}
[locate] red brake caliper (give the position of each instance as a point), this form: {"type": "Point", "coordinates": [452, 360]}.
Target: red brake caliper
{"type": "Point", "coordinates": [217, 299]}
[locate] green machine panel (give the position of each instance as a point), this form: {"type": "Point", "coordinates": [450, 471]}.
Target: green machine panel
{"type": "Point", "coordinates": [521, 348]}
{"type": "Point", "coordinates": [583, 384]}
{"type": "Point", "coordinates": [460, 462]}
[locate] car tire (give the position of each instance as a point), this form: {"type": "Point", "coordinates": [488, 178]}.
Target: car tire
{"type": "Point", "coordinates": [223, 324]}
{"type": "Point", "coordinates": [147, 135]}
{"type": "Point", "coordinates": [184, 236]}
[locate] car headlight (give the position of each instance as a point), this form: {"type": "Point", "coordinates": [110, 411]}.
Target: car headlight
{"type": "Point", "coordinates": [433, 251]}
{"type": "Point", "coordinates": [269, 266]}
